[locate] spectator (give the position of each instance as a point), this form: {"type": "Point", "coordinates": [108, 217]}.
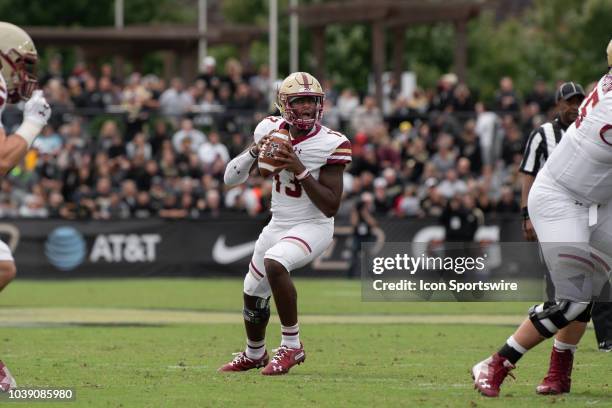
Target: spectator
{"type": "Point", "coordinates": [367, 117]}
{"type": "Point", "coordinates": [176, 101]}
{"type": "Point", "coordinates": [444, 92]}
{"type": "Point", "coordinates": [187, 131]}
{"type": "Point", "coordinates": [470, 147]}
{"type": "Point", "coordinates": [363, 223]}
{"type": "Point", "coordinates": [488, 129]}
{"type": "Point", "coordinates": [213, 150]}
{"type": "Point", "coordinates": [463, 103]}
{"type": "Point", "coordinates": [347, 103]}
{"type": "Point", "coordinates": [506, 99]}
{"type": "Point", "coordinates": [34, 206]}
{"type": "Point", "coordinates": [508, 202]}
{"type": "Point", "coordinates": [409, 204]}
{"type": "Point", "coordinates": [444, 159]}
{"type": "Point", "coordinates": [139, 146]}
{"type": "Point", "coordinates": [434, 146]}
{"type": "Point", "coordinates": [541, 96]}
{"type": "Point", "coordinates": [452, 186]}
{"type": "Point", "coordinates": [48, 142]}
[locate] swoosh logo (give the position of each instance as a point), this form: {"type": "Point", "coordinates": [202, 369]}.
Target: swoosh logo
{"type": "Point", "coordinates": [222, 254]}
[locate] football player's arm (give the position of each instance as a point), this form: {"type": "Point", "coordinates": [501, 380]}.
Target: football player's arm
{"type": "Point", "coordinates": [528, 180]}
{"type": "Point", "coordinates": [238, 169]}
{"type": "Point", "coordinates": [13, 149]}
{"type": "Point", "coordinates": [528, 231]}
{"type": "Point", "coordinates": [325, 193]}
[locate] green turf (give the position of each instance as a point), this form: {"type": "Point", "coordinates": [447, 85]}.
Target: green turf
{"type": "Point", "coordinates": [347, 364]}
{"type": "Point", "coordinates": [328, 296]}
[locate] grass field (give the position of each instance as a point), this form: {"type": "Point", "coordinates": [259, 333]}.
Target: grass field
{"type": "Point", "coordinates": [158, 343]}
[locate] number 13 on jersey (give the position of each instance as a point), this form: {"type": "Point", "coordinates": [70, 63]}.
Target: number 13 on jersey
{"type": "Point", "coordinates": [292, 189]}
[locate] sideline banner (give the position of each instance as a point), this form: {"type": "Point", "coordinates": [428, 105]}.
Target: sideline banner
{"type": "Point", "coordinates": [209, 247]}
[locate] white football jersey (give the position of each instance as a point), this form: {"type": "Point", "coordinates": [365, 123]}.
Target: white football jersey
{"type": "Point", "coordinates": [3, 96]}
{"type": "Point", "coordinates": [582, 162]}
{"type": "Point", "coordinates": [322, 146]}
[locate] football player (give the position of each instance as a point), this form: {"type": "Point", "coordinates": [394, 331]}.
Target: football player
{"type": "Point", "coordinates": [17, 83]}
{"type": "Point", "coordinates": [540, 145]}
{"type": "Point", "coordinates": [305, 197]}
{"type": "Point", "coordinates": [569, 206]}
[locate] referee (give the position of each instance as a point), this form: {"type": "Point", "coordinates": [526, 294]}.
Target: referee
{"type": "Point", "coordinates": [540, 145]}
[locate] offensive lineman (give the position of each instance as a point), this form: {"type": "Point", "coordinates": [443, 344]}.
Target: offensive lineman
{"type": "Point", "coordinates": [539, 146]}
{"type": "Point", "coordinates": [305, 197]}
{"type": "Point", "coordinates": [570, 208]}
{"type": "Point", "coordinates": [17, 83]}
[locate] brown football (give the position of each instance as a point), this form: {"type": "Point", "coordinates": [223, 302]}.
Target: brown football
{"type": "Point", "coordinates": [266, 162]}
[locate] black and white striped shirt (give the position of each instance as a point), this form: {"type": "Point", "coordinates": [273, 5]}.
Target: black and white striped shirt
{"type": "Point", "coordinates": [540, 145]}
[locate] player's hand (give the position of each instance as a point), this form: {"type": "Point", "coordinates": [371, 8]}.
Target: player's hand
{"type": "Point", "coordinates": [286, 155]}
{"type": "Point", "coordinates": [256, 147]}
{"type": "Point", "coordinates": [37, 110]}
{"type": "Point", "coordinates": [528, 231]}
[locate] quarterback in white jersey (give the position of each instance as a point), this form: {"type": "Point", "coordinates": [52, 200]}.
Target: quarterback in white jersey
{"type": "Point", "coordinates": [569, 206]}
{"type": "Point", "coordinates": [17, 83]}
{"type": "Point", "coordinates": [305, 196]}
{"type": "Point", "coordinates": [320, 147]}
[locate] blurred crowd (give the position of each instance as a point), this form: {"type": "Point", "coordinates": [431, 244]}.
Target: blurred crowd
{"type": "Point", "coordinates": [141, 147]}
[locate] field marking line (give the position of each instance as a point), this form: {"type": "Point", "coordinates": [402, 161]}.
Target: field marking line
{"type": "Point", "coordinates": [37, 316]}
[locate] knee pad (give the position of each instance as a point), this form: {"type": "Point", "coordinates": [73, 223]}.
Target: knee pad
{"type": "Point", "coordinates": [261, 313]}
{"type": "Point", "coordinates": [585, 316]}
{"type": "Point", "coordinates": [549, 317]}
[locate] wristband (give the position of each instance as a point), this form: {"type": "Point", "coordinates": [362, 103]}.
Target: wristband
{"type": "Point", "coordinates": [525, 213]}
{"type": "Point", "coordinates": [253, 155]}
{"type": "Point", "coordinates": [303, 175]}
{"type": "Point", "coordinates": [29, 131]}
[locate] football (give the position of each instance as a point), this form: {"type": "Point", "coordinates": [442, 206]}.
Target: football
{"type": "Point", "coordinates": [266, 161]}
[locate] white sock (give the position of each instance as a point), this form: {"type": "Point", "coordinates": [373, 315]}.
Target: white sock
{"type": "Point", "coordinates": [514, 344]}
{"type": "Point", "coordinates": [559, 345]}
{"type": "Point", "coordinates": [290, 336]}
{"type": "Point", "coordinates": [255, 349]}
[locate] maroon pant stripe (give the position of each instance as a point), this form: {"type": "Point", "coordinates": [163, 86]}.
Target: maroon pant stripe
{"type": "Point", "coordinates": [301, 240]}
{"type": "Point", "coordinates": [577, 258]}
{"type": "Point", "coordinates": [255, 269]}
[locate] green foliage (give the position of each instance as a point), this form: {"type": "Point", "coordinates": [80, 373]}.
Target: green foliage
{"type": "Point", "coordinates": [348, 55]}
{"type": "Point", "coordinates": [57, 12]}
{"type": "Point", "coordinates": [558, 41]}
{"type": "Point", "coordinates": [247, 12]}
{"type": "Point", "coordinates": [88, 13]}
{"type": "Point", "coordinates": [429, 52]}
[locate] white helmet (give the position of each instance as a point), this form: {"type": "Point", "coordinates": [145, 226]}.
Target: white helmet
{"type": "Point", "coordinates": [296, 85]}
{"type": "Point", "coordinates": [18, 57]}
{"type": "Point", "coordinates": [609, 50]}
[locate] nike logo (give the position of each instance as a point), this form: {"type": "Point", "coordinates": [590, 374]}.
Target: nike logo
{"type": "Point", "coordinates": [222, 254]}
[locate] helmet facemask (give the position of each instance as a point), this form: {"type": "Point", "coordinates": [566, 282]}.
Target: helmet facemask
{"type": "Point", "coordinates": [292, 116]}
{"type": "Point", "coordinates": [22, 81]}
